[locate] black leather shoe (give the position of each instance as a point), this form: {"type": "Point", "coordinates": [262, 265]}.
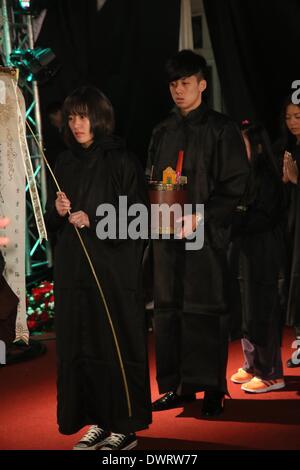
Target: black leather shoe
{"type": "Point", "coordinates": [172, 400]}
{"type": "Point", "coordinates": [213, 404]}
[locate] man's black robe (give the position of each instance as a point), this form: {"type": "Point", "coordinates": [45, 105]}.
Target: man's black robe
{"type": "Point", "coordinates": [90, 385]}
{"type": "Point", "coordinates": [190, 292]}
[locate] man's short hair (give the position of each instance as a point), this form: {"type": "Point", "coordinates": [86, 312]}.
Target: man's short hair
{"type": "Point", "coordinates": [184, 64]}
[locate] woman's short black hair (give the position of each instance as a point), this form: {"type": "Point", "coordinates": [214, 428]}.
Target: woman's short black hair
{"type": "Point", "coordinates": [260, 144]}
{"type": "Point", "coordinates": [184, 64]}
{"type": "Point", "coordinates": [91, 102]}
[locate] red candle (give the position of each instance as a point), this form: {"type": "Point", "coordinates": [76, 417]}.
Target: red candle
{"type": "Point", "coordinates": [179, 165]}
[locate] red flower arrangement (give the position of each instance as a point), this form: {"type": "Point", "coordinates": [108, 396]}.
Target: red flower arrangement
{"type": "Point", "coordinates": [40, 307]}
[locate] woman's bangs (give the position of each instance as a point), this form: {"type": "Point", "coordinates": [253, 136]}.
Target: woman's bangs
{"type": "Point", "coordinates": [76, 106]}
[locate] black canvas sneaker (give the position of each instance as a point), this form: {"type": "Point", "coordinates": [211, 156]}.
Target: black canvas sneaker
{"type": "Point", "coordinates": [119, 442]}
{"type": "Point", "coordinates": [92, 439]}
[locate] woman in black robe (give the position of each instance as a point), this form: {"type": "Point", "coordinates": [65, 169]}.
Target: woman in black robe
{"type": "Point", "coordinates": [290, 156]}
{"type": "Point", "coordinates": [97, 170]}
{"type": "Point", "coordinates": [258, 250]}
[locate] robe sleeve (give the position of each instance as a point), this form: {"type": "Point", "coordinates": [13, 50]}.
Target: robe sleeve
{"type": "Point", "coordinates": [134, 182]}
{"type": "Point", "coordinates": [128, 180]}
{"type": "Point", "coordinates": [265, 213]}
{"type": "Point", "coordinates": [230, 174]}
{"type": "Point", "coordinates": [153, 151]}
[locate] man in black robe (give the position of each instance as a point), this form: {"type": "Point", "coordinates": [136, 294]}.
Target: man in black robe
{"type": "Point", "coordinates": [191, 311]}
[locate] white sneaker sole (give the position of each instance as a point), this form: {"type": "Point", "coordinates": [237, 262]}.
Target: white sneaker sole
{"type": "Point", "coordinates": [84, 448]}
{"type": "Point", "coordinates": [129, 447]}
{"type": "Point", "coordinates": [268, 389]}
{"type": "Point", "coordinates": [94, 447]}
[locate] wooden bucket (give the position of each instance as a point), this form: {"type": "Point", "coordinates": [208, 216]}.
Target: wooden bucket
{"type": "Point", "coordinates": [169, 194]}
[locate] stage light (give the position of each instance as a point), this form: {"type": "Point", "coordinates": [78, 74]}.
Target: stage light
{"type": "Point", "coordinates": [29, 7]}
{"type": "Point", "coordinates": [25, 4]}
{"type": "Point", "coordinates": [35, 64]}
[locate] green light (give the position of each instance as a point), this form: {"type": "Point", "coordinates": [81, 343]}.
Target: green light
{"type": "Point", "coordinates": [25, 4]}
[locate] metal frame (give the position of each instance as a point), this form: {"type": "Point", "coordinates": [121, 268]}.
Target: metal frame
{"type": "Point", "coordinates": [16, 33]}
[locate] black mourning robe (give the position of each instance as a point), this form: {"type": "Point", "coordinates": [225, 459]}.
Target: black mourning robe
{"type": "Point", "coordinates": [90, 385]}
{"type": "Point", "coordinates": [190, 292]}
{"type": "Point", "coordinates": [257, 254]}
{"type": "Point", "coordinates": [293, 243]}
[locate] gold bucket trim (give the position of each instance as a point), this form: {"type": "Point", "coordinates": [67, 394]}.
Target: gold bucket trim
{"type": "Point", "coordinates": [159, 186]}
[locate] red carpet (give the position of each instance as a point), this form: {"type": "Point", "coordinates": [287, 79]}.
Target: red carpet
{"type": "Point", "coordinates": [266, 421]}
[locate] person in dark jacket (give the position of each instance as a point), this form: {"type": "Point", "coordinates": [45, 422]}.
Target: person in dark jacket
{"type": "Point", "coordinates": [190, 292]}
{"type": "Point", "coordinates": [100, 382]}
{"type": "Point", "coordinates": [259, 251]}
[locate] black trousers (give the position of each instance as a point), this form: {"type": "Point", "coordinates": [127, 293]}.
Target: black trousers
{"type": "Point", "coordinates": [190, 318]}
{"type": "Point", "coordinates": [264, 361]}
{"type": "Point", "coordinates": [191, 351]}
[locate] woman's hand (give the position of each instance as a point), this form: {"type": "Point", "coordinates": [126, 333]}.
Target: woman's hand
{"type": "Point", "coordinates": [80, 219]}
{"type": "Point", "coordinates": [290, 168]}
{"type": "Point", "coordinates": [285, 177]}
{"type": "Point", "coordinates": [62, 204]}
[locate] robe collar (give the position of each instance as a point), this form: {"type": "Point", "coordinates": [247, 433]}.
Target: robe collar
{"type": "Point", "coordinates": [104, 143]}
{"type": "Point", "coordinates": [194, 115]}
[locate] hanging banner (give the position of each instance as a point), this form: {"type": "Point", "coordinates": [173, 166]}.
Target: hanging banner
{"type": "Point", "coordinates": [15, 164]}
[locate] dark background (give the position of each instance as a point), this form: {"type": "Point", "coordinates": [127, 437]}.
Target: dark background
{"type": "Point", "coordinates": [256, 47]}
{"type": "Point", "coordinates": [123, 47]}
{"type": "Point", "coordinates": [122, 50]}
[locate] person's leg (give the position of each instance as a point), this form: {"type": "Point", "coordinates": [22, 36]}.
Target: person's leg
{"type": "Point", "coordinates": [262, 336]}
{"type": "Point", "coordinates": [167, 331]}
{"type": "Point", "coordinates": [204, 358]}
{"type": "Point", "coordinates": [266, 363]}
{"type": "Point", "coordinates": [263, 361]}
{"type": "Point", "coordinates": [245, 373]}
{"type": "Point", "coordinates": [249, 355]}
{"type": "Point", "coordinates": [168, 295]}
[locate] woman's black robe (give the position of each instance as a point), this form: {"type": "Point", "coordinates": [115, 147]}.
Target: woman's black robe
{"type": "Point", "coordinates": [90, 386]}
{"type": "Point", "coordinates": [293, 243]}
{"type": "Point", "coordinates": [257, 254]}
